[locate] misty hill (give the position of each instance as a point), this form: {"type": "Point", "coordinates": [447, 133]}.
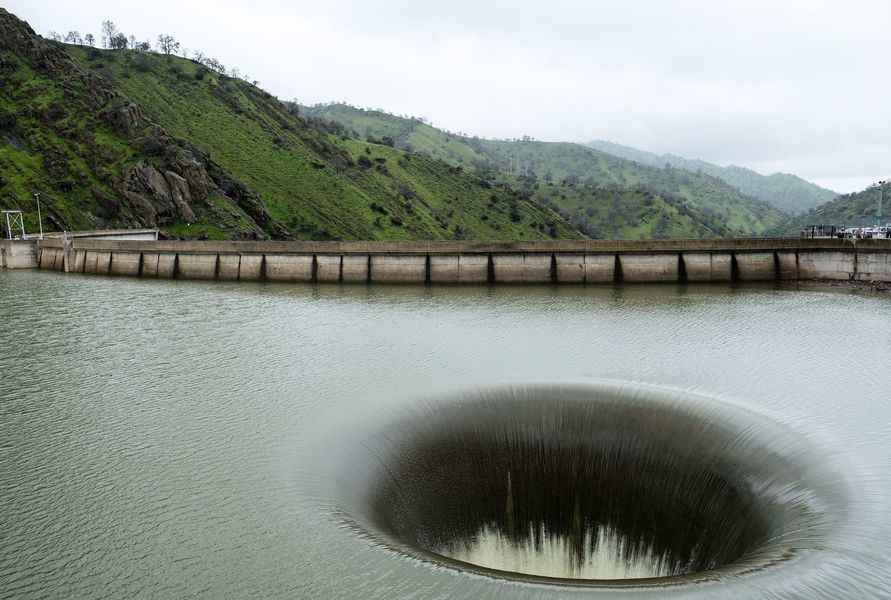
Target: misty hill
{"type": "Point", "coordinates": [854, 210]}
{"type": "Point", "coordinates": [132, 138]}
{"type": "Point", "coordinates": [788, 193]}
{"type": "Point", "coordinates": [601, 194]}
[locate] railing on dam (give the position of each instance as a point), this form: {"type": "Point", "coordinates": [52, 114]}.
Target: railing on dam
{"type": "Point", "coordinates": [583, 261]}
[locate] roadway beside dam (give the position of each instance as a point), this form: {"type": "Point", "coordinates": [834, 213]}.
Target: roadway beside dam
{"type": "Point", "coordinates": [563, 262]}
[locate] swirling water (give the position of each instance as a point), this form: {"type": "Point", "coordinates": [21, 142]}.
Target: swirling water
{"type": "Point", "coordinates": [168, 439]}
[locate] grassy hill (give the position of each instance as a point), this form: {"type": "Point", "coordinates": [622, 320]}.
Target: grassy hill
{"type": "Point", "coordinates": [854, 210]}
{"type": "Point", "coordinates": [127, 138]}
{"type": "Point", "coordinates": [603, 195]}
{"type": "Point", "coordinates": [788, 193]}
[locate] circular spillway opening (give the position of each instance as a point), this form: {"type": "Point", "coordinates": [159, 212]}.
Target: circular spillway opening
{"type": "Point", "coordinates": [594, 484]}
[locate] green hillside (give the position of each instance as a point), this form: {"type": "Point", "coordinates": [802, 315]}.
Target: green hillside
{"type": "Point", "coordinates": [854, 210]}
{"type": "Point", "coordinates": [572, 178]}
{"type": "Point", "coordinates": [786, 192]}
{"type": "Point", "coordinates": [127, 138]}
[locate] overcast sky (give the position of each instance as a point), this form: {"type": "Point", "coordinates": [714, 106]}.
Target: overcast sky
{"type": "Point", "coordinates": [800, 86]}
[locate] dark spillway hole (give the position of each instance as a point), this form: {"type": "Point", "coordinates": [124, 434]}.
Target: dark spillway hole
{"type": "Point", "coordinates": [574, 484]}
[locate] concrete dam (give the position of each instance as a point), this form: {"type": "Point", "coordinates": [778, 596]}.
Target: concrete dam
{"type": "Point", "coordinates": [560, 262]}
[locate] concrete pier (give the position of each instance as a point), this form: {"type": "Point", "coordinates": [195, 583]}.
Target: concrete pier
{"type": "Point", "coordinates": [833, 264]}
{"type": "Point", "coordinates": [702, 267]}
{"type": "Point", "coordinates": [420, 263]}
{"type": "Point", "coordinates": [390, 268]}
{"type": "Point", "coordinates": [523, 268]}
{"type": "Point", "coordinates": [649, 268]}
{"type": "Point", "coordinates": [755, 266]}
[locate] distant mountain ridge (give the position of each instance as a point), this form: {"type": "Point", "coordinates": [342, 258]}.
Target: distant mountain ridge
{"type": "Point", "coordinates": [603, 195]}
{"type": "Point", "coordinates": [789, 193]}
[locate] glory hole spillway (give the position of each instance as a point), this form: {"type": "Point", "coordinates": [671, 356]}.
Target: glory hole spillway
{"type": "Point", "coordinates": [688, 436]}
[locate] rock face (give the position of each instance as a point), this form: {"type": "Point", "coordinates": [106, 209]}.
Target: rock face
{"type": "Point", "coordinates": [170, 178]}
{"type": "Point", "coordinates": [158, 197]}
{"type": "Point", "coordinates": [125, 119]}
{"type": "Point", "coordinates": [180, 195]}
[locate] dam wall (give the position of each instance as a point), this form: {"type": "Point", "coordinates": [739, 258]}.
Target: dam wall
{"type": "Point", "coordinates": [564, 262]}
{"type": "Point", "coordinates": [25, 253]}
{"type": "Point", "coordinates": [18, 254]}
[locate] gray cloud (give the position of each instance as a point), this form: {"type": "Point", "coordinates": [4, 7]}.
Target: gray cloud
{"type": "Point", "coordinates": [799, 86]}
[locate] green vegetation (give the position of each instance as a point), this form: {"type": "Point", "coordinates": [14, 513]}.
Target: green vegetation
{"type": "Point", "coordinates": [854, 210]}
{"type": "Point", "coordinates": [602, 195]}
{"type": "Point", "coordinates": [127, 138]}
{"type": "Point", "coordinates": [786, 192]}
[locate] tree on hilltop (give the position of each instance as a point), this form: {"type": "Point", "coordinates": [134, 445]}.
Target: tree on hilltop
{"type": "Point", "coordinates": [168, 44]}
{"type": "Point", "coordinates": [118, 42]}
{"type": "Point", "coordinates": [109, 30]}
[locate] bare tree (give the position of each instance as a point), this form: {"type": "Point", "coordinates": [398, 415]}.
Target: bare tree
{"type": "Point", "coordinates": [214, 64]}
{"type": "Point", "coordinates": [73, 37]}
{"type": "Point", "coordinates": [109, 30]}
{"type": "Point", "coordinates": [132, 41]}
{"type": "Point", "coordinates": [198, 57]}
{"type": "Point", "coordinates": [53, 35]}
{"type": "Point", "coordinates": [90, 40]}
{"type": "Point", "coordinates": [168, 44]}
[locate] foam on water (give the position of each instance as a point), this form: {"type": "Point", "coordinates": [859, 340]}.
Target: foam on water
{"type": "Point", "coordinates": [599, 553]}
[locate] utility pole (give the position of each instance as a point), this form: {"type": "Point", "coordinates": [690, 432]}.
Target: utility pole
{"type": "Point", "coordinates": [881, 201]}
{"type": "Point", "coordinates": [39, 219]}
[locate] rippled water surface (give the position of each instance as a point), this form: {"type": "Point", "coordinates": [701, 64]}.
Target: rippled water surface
{"type": "Point", "coordinates": [172, 439]}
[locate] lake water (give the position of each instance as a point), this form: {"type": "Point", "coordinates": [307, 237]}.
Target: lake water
{"type": "Point", "coordinates": [175, 439]}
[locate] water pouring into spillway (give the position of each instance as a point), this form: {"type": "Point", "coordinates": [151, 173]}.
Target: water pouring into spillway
{"type": "Point", "coordinates": [605, 485]}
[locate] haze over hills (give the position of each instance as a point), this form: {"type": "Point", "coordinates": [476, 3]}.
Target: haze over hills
{"type": "Point", "coordinates": [601, 194]}
{"type": "Point", "coordinates": [133, 138]}
{"type": "Point", "coordinates": [786, 192]}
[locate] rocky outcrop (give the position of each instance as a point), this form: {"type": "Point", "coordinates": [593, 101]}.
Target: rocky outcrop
{"type": "Point", "coordinates": [125, 119]}
{"type": "Point", "coordinates": [180, 195]}
{"type": "Point", "coordinates": [170, 182]}
{"type": "Point", "coordinates": [162, 198]}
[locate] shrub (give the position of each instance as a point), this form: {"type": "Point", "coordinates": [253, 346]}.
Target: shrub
{"type": "Point", "coordinates": [7, 120]}
{"type": "Point", "coordinates": [515, 215]}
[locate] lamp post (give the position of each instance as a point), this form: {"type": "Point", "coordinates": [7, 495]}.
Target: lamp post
{"type": "Point", "coordinates": [39, 219]}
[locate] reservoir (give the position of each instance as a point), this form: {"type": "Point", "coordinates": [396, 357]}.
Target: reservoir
{"type": "Point", "coordinates": [184, 439]}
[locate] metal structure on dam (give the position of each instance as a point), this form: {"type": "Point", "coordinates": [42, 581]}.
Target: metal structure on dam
{"type": "Point", "coordinates": [561, 262]}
